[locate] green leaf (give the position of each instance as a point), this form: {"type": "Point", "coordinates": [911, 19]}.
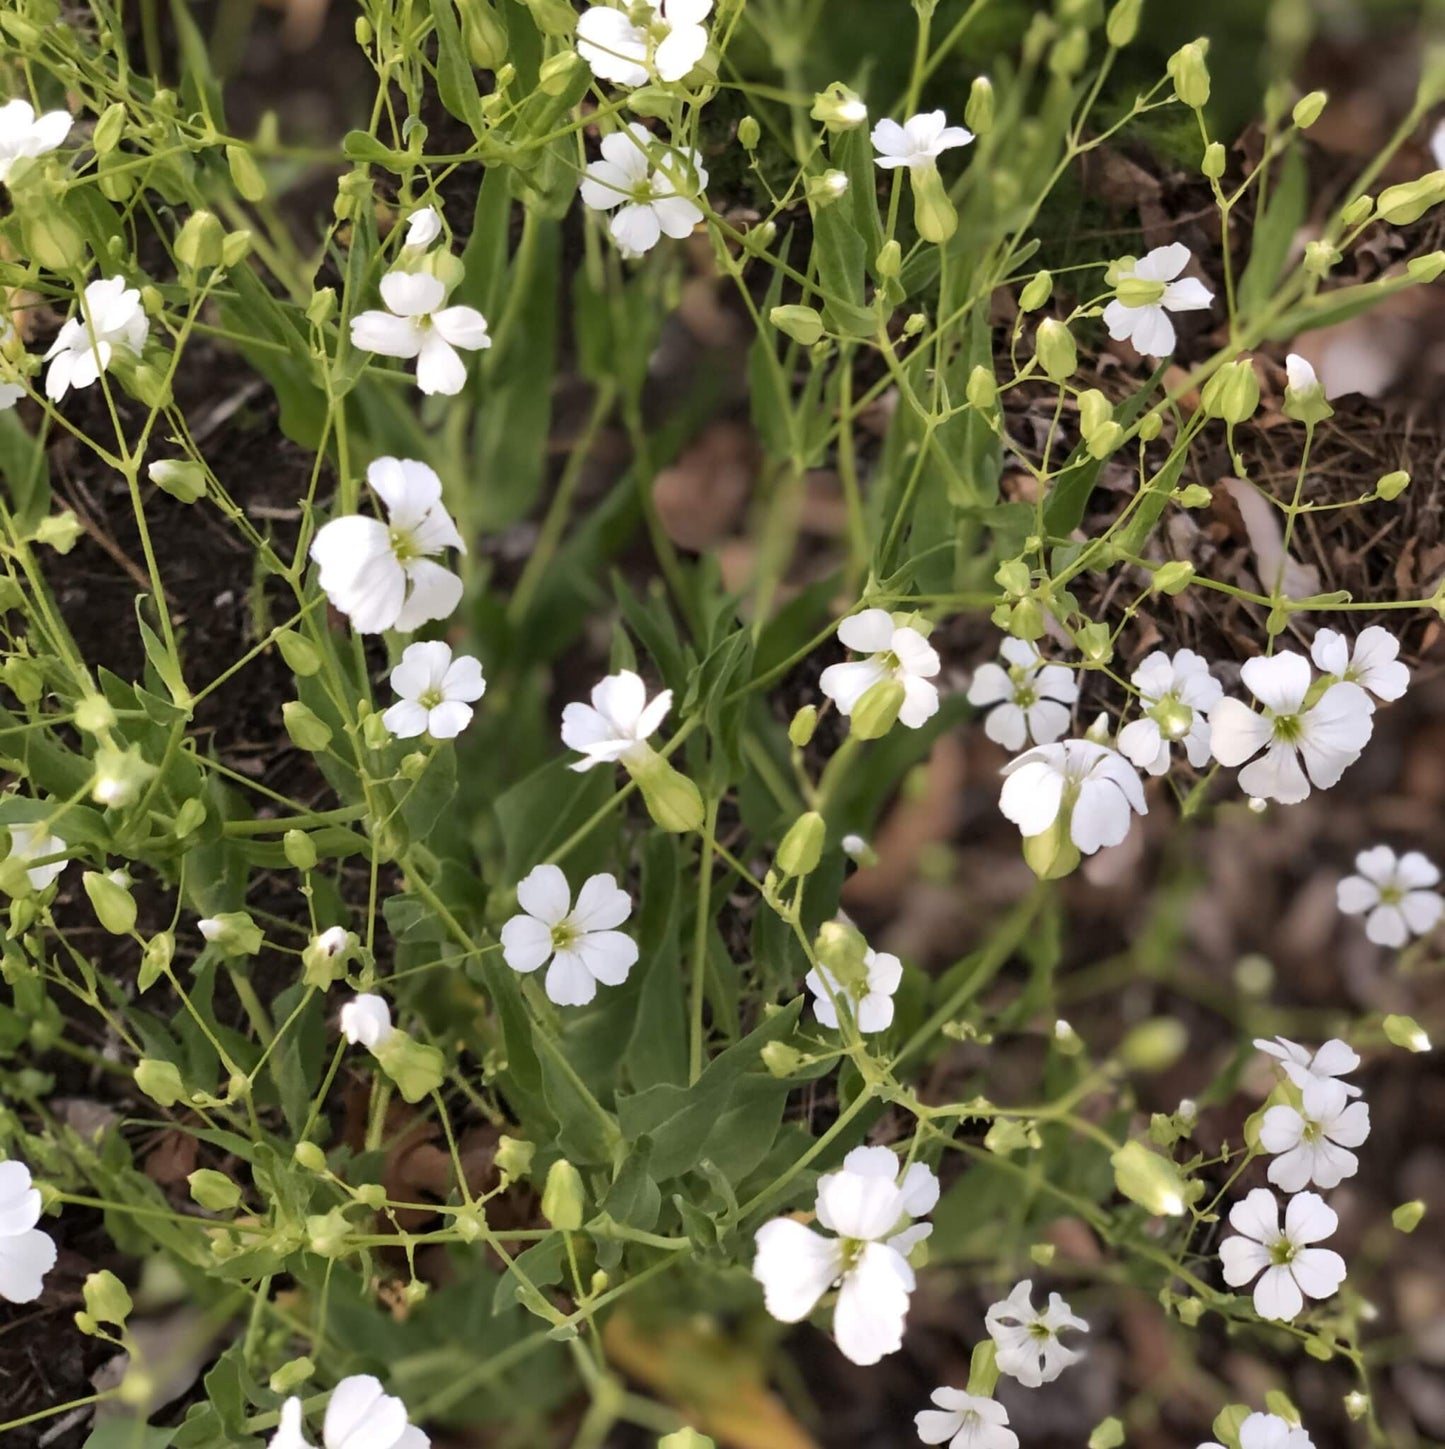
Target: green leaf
{"type": "Point", "coordinates": [657, 1051]}
{"type": "Point", "coordinates": [456, 82]}
{"type": "Point", "coordinates": [1274, 233]}
{"type": "Point", "coordinates": [25, 470]}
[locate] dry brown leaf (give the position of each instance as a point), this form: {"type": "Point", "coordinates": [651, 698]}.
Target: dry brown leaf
{"type": "Point", "coordinates": [700, 498]}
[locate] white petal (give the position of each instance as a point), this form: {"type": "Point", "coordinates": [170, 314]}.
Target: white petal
{"type": "Point", "coordinates": [1277, 1296]}
{"type": "Point", "coordinates": [990, 685]}
{"type": "Point", "coordinates": [873, 1305]}
{"type": "Point", "coordinates": [608, 955]}
{"type": "Point", "coordinates": [24, 1261]}
{"type": "Point", "coordinates": [846, 684]}
{"type": "Point", "coordinates": [635, 229]}
{"type": "Point", "coordinates": [920, 702]}
{"type": "Point", "coordinates": [1276, 775]}
{"type": "Point", "coordinates": [1422, 911]}
{"type": "Point", "coordinates": [1280, 682]}
{"type": "Point", "coordinates": [1236, 732]}
{"type": "Point", "coordinates": [1330, 652]}
{"type": "Point", "coordinates": [1308, 1218]}
{"type": "Point", "coordinates": [435, 593]}
{"type": "Point", "coordinates": [1031, 797]}
{"type": "Point", "coordinates": [621, 698]}
{"type": "Point", "coordinates": [463, 327]}
{"type": "Point", "coordinates": [1153, 333]}
{"type": "Point", "coordinates": [1241, 1259]}
{"type": "Point", "coordinates": [601, 904]}
{"type": "Point", "coordinates": [869, 632]}
{"type": "Point", "coordinates": [1101, 816]}
{"type": "Point", "coordinates": [381, 332]}
{"type": "Point", "coordinates": [1416, 872]}
{"type": "Point", "coordinates": [680, 51]}
{"type": "Point", "coordinates": [1008, 726]}
{"type": "Point", "coordinates": [1164, 263]}
{"type": "Point", "coordinates": [859, 1206]}
{"type": "Point", "coordinates": [406, 719]}
{"type": "Point", "coordinates": [1355, 895]}
{"type": "Point", "coordinates": [526, 943]}
{"type": "Point", "coordinates": [544, 893]}
{"type": "Point", "coordinates": [1318, 1271]}
{"type": "Point", "coordinates": [439, 367]}
{"type": "Point", "coordinates": [412, 294]}
{"type": "Point", "coordinates": [796, 1266]}
{"type": "Point", "coordinates": [1385, 926]}
{"type": "Point", "coordinates": [569, 982]}
{"type": "Point", "coordinates": [448, 719]}
{"type": "Point", "coordinates": [1188, 294]}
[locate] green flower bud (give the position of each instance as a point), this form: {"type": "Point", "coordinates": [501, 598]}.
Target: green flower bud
{"type": "Point", "coordinates": [1154, 1182]}
{"type": "Point", "coordinates": [233, 933]}
{"type": "Point", "coordinates": [156, 959]}
{"type": "Point", "coordinates": [50, 237]}
{"type": "Point", "coordinates": [1392, 485]}
{"type": "Point", "coordinates": [1070, 53]}
{"type": "Point", "coordinates": [672, 800]}
{"type": "Point", "coordinates": [889, 261]}
{"type": "Point", "coordinates": [781, 1060]}
{"type": "Point", "coordinates": [190, 817]}
{"type": "Point", "coordinates": [1154, 1045]}
{"type": "Point", "coordinates": [1410, 200]}
{"type": "Point", "coordinates": [307, 729]}
{"type": "Point", "coordinates": [1054, 347]}
{"type": "Point", "coordinates": [246, 174]}
{"type": "Point", "coordinates": [1232, 393]}
{"type": "Point", "coordinates": [802, 725]}
{"type": "Point", "coordinates": [558, 72]}
{"type": "Point", "coordinates": [484, 32]}
{"type": "Point", "coordinates": [160, 1081]}
{"type": "Point", "coordinates": [686, 1438]}
{"type": "Point", "coordinates": [1408, 1215]}
{"type": "Point", "coordinates": [324, 957]}
{"type": "Point", "coordinates": [108, 129]}
{"type": "Point", "coordinates": [842, 949]}
{"type": "Point", "coordinates": [933, 212]}
{"type": "Point", "coordinates": [309, 1156]}
{"type": "Point", "coordinates": [1357, 1405]}
{"type": "Point", "coordinates": [1095, 643]}
{"type": "Point", "coordinates": [300, 850]}
{"type": "Point", "coordinates": [553, 17]}
{"type": "Point", "coordinates": [1406, 1032]}
{"type": "Point", "coordinates": [326, 1233]}
{"type": "Point", "coordinates": [371, 1194]}
{"type": "Point", "coordinates": [1427, 268]}
{"type": "Point", "coordinates": [58, 531]}
{"type": "Point", "coordinates": [1193, 495]}
{"type": "Point", "coordinates": [825, 189]}
{"type": "Point", "coordinates": [1320, 258]}
{"type": "Point", "coordinates": [213, 1190]}
{"type": "Point", "coordinates": [874, 715]}
{"type": "Point", "coordinates": [1150, 426]}
{"type": "Point", "coordinates": [1190, 74]}
{"type": "Point", "coordinates": [564, 1199]}
{"type": "Point", "coordinates": [513, 1157]}
{"type": "Point", "coordinates": [1107, 1434]}
{"type": "Point", "coordinates": [1026, 620]}
{"type": "Point", "coordinates": [1308, 108]}
{"type": "Point", "coordinates": [1358, 211]}
{"type": "Point", "coordinates": [838, 109]}
{"type": "Point", "coordinates": [1214, 160]}
{"type": "Point", "coordinates": [749, 133]}
{"type": "Point", "coordinates": [183, 480]}
{"type": "Point", "coordinates": [198, 244]}
{"type": "Point", "coordinates": [114, 905]}
{"type": "Point", "coordinates": [470, 1224]}
{"type": "Point", "coordinates": [1304, 395]}
{"type": "Point", "coordinates": [1051, 855]}
{"type": "Point", "coordinates": [802, 324]}
{"type": "Point", "coordinates": [25, 678]}
{"type": "Point", "coordinates": [289, 1375]}
{"type": "Point", "coordinates": [1173, 577]}
{"type": "Point", "coordinates": [415, 1069]}
{"type": "Point", "coordinates": [802, 847]}
{"type": "Point", "coordinates": [322, 307]}
{"type": "Point", "coordinates": [1037, 290]}
{"type": "Point", "coordinates": [1123, 23]}
{"type": "Point", "coordinates": [236, 248]}
{"type": "Point", "coordinates": [981, 390]}
{"type": "Point", "coordinates": [979, 108]}
{"type": "Point", "coordinates": [374, 733]}
{"type": "Point", "coordinates": [106, 1299]}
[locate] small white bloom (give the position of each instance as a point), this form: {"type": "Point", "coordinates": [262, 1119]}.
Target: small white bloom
{"type": "Point", "coordinates": [211, 928]}
{"type": "Point", "coordinates": [1146, 323]}
{"type": "Point", "coordinates": [1302, 1067]}
{"type": "Point", "coordinates": [111, 316]}
{"type": "Point", "coordinates": [1312, 1141]}
{"type": "Point", "coordinates": [1268, 1431]}
{"type": "Point", "coordinates": [965, 1421]}
{"type": "Point", "coordinates": [647, 202]}
{"type": "Point", "coordinates": [1177, 695]}
{"type": "Point", "coordinates": [417, 325]}
{"type": "Point", "coordinates": [423, 227]}
{"type": "Point", "coordinates": [291, 1431]}
{"type": "Point", "coordinates": [895, 652]}
{"type": "Point", "coordinates": [866, 1204]}
{"type": "Point", "coordinates": [332, 941]}
{"type": "Point", "coordinates": [366, 1020]}
{"type": "Point", "coordinates": [671, 40]}
{"type": "Point", "coordinates": [1396, 894]}
{"type": "Point", "coordinates": [1030, 699]}
{"type": "Point", "coordinates": [1290, 1269]}
{"type": "Point", "coordinates": [616, 724]}
{"type": "Point", "coordinates": [1027, 1339]}
{"type": "Point", "coordinates": [26, 1254]}
{"type": "Point", "coordinates": [1299, 374]}
{"type": "Point", "coordinates": [1302, 744]}
{"type": "Point", "coordinates": [918, 142]}
{"type": "Point", "coordinates": [24, 134]}
{"type": "Point", "coordinates": [871, 999]}
{"type": "Point", "coordinates": [30, 842]}
{"type": "Point", "coordinates": [1374, 663]}
{"type": "Point", "coordinates": [435, 692]}
{"type": "Point", "coordinates": [362, 1415]}
{"type": "Point", "coordinates": [1094, 785]}
{"type": "Point", "coordinates": [382, 575]}
{"type": "Point", "coordinates": [580, 941]}
{"type": "Point", "coordinates": [857, 849]}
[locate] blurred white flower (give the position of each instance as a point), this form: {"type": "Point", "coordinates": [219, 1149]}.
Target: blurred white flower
{"type": "Point", "coordinates": [32, 842]}
{"type": "Point", "coordinates": [1299, 374]}
{"type": "Point", "coordinates": [332, 941]}
{"type": "Point", "coordinates": [647, 201]}
{"type": "Point", "coordinates": [918, 142]}
{"type": "Point", "coordinates": [618, 722]}
{"type": "Point", "coordinates": [1373, 664]}
{"type": "Point", "coordinates": [871, 999]}
{"type": "Point", "coordinates": [671, 37]}
{"type": "Point", "coordinates": [24, 134]}
{"type": "Point", "coordinates": [1396, 895]}
{"type": "Point", "coordinates": [857, 849]}
{"type": "Point", "coordinates": [866, 1204]}
{"type": "Point", "coordinates": [26, 1254]}
{"type": "Point", "coordinates": [1312, 1141]}
{"type": "Point", "coordinates": [423, 227]}
{"type": "Point", "coordinates": [1268, 1431]}
{"type": "Point", "coordinates": [435, 692]}
{"type": "Point", "coordinates": [361, 1415]}
{"type": "Point", "coordinates": [366, 1020]}
{"type": "Point", "coordinates": [1177, 695]}
{"type": "Point", "coordinates": [965, 1421]}
{"type": "Point", "coordinates": [1437, 145]}
{"type": "Point", "coordinates": [111, 317]}
{"type": "Point", "coordinates": [382, 575]}
{"type": "Point", "coordinates": [896, 652]}
{"type": "Point", "coordinates": [1027, 1339]}
{"type": "Point", "coordinates": [1030, 699]}
{"type": "Point", "coordinates": [10, 394]}
{"type": "Point", "coordinates": [1302, 1067]}
{"type": "Point", "coordinates": [290, 1431]}
{"type": "Point", "coordinates": [1147, 294]}
{"type": "Point", "coordinates": [1095, 786]}
{"type": "Point", "coordinates": [417, 325]}
{"type": "Point", "coordinates": [1289, 1268]}
{"type": "Point", "coordinates": [580, 941]}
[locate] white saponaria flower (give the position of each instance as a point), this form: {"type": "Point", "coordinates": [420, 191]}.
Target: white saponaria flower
{"type": "Point", "coordinates": [1027, 1339]}
{"type": "Point", "coordinates": [1299, 374]}
{"type": "Point", "coordinates": [1177, 695]}
{"type": "Point", "coordinates": [1304, 741]}
{"type": "Point", "coordinates": [1146, 295]}
{"type": "Point", "coordinates": [647, 202]}
{"type": "Point", "coordinates": [918, 142]}
{"type": "Point", "coordinates": [1373, 664]}
{"type": "Point", "coordinates": [1302, 1066]}
{"type": "Point", "coordinates": [366, 1020]}
{"type": "Point", "coordinates": [332, 941]}
{"type": "Point", "coordinates": [384, 575]}
{"type": "Point", "coordinates": [26, 1254]}
{"type": "Point", "coordinates": [856, 848]}
{"type": "Point", "coordinates": [866, 1204]}
{"type": "Point", "coordinates": [618, 722]}
{"type": "Point", "coordinates": [871, 999]}
{"type": "Point", "coordinates": [1397, 895]}
{"type": "Point", "coordinates": [896, 652]}
{"type": "Point", "coordinates": [1096, 787]}
{"type": "Point", "coordinates": [580, 941]}
{"type": "Point", "coordinates": [669, 39]}
{"type": "Point", "coordinates": [34, 842]}
{"type": "Point", "coordinates": [361, 1415]}
{"type": "Point", "coordinates": [1312, 1142]}
{"type": "Point", "coordinates": [1030, 699]}
{"type": "Point", "coordinates": [1268, 1431]}
{"type": "Point", "coordinates": [1289, 1267]}
{"type": "Point", "coordinates": [423, 227]}
{"type": "Point", "coordinates": [416, 324]}
{"type": "Point", "coordinates": [111, 317]}
{"type": "Point", "coordinates": [965, 1421]}
{"type": "Point", "coordinates": [435, 692]}
{"type": "Point", "coordinates": [23, 134]}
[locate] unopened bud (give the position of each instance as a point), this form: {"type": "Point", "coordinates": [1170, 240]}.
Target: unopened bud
{"type": "Point", "coordinates": [802, 847]}
{"type": "Point", "coordinates": [838, 108]}
{"type": "Point", "coordinates": [114, 905]}
{"type": "Point", "coordinates": [1123, 23]}
{"type": "Point", "coordinates": [1392, 485]}
{"type": "Point", "coordinates": [978, 111]}
{"type": "Point", "coordinates": [1232, 393]}
{"type": "Point", "coordinates": [1308, 108]}
{"type": "Point", "coordinates": [749, 133]}
{"type": "Point", "coordinates": [1408, 1216]}
{"type": "Point", "coordinates": [1410, 200]}
{"type": "Point", "coordinates": [1190, 74]}
{"type": "Point", "coordinates": [308, 731]}
{"type": "Point", "coordinates": [889, 261]}
{"type": "Point", "coordinates": [416, 1070]}
{"type": "Point", "coordinates": [232, 933]}
{"type": "Point", "coordinates": [106, 1299]}
{"type": "Point", "coordinates": [513, 1157]}
{"type": "Point", "coordinates": [198, 243]}
{"type": "Point", "coordinates": [1173, 577]}
{"type": "Point", "coordinates": [1037, 290]}
{"type": "Point", "coordinates": [877, 711]}
{"type": "Point", "coordinates": [1214, 160]}
{"type": "Point", "coordinates": [213, 1190]}
{"type": "Point", "coordinates": [159, 1080]}
{"type": "Point", "coordinates": [802, 725]}
{"type": "Point", "coordinates": [802, 324]}
{"type": "Point", "coordinates": [1154, 1182]}
{"type": "Point", "coordinates": [564, 1199]}
{"type": "Point", "coordinates": [933, 212]}
{"type": "Point", "coordinates": [672, 800]}
{"type": "Point", "coordinates": [1055, 349]}
{"type": "Point", "coordinates": [981, 389]}
{"type": "Point", "coordinates": [309, 1156]}
{"type": "Point", "coordinates": [1406, 1032]}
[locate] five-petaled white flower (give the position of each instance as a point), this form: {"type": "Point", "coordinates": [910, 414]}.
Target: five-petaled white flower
{"type": "Point", "coordinates": [26, 1254]}
{"type": "Point", "coordinates": [1030, 699]}
{"type": "Point", "coordinates": [871, 999]}
{"type": "Point", "coordinates": [965, 1421]}
{"type": "Point", "coordinates": [423, 227]}
{"type": "Point", "coordinates": [1396, 895]}
{"type": "Point", "coordinates": [1268, 1431]}
{"type": "Point", "coordinates": [383, 575]}
{"type": "Point", "coordinates": [366, 1020]}
{"type": "Point", "coordinates": [670, 39]}
{"type": "Point", "coordinates": [1373, 664]}
{"type": "Point", "coordinates": [24, 134]}
{"type": "Point", "coordinates": [1177, 695]}
{"type": "Point", "coordinates": [32, 842]}
{"type": "Point", "coordinates": [1312, 1141]}
{"type": "Point", "coordinates": [647, 201]}
{"type": "Point", "coordinates": [618, 722]}
{"type": "Point", "coordinates": [1303, 743]}
{"type": "Point", "coordinates": [1302, 1066]}
{"type": "Point", "coordinates": [361, 1415]}
{"type": "Point", "coordinates": [1027, 1339]}
{"type": "Point", "coordinates": [580, 941]}
{"type": "Point", "coordinates": [1094, 786]}
{"type": "Point", "coordinates": [435, 692]}
{"type": "Point", "coordinates": [1290, 1269]}
{"type": "Point", "coordinates": [897, 652]}
{"type": "Point", "coordinates": [111, 317]}
{"type": "Point", "coordinates": [417, 325]}
{"type": "Point", "coordinates": [918, 142]}
{"type": "Point", "coordinates": [1146, 294]}
{"type": "Point", "coordinates": [866, 1204]}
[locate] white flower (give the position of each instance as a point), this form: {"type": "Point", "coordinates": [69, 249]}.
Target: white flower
{"type": "Point", "coordinates": [382, 575]}
{"type": "Point", "coordinates": [1299, 374]}
{"type": "Point", "coordinates": [423, 227]}
{"type": "Point", "coordinates": [1327, 736]}
{"type": "Point", "coordinates": [332, 941]}
{"type": "Point", "coordinates": [417, 325]}
{"type": "Point", "coordinates": [1153, 293]}
{"type": "Point", "coordinates": [857, 849]}
{"type": "Point", "coordinates": [671, 39]}
{"type": "Point", "coordinates": [1291, 1269]}
{"type": "Point", "coordinates": [1374, 664]}
{"type": "Point", "coordinates": [865, 1204]}
{"type": "Point", "coordinates": [1094, 785]}
{"type": "Point", "coordinates": [1332, 1060]}
{"type": "Point", "coordinates": [580, 941]}
{"type": "Point", "coordinates": [10, 394]}
{"type": "Point", "coordinates": [291, 1431]}
{"type": "Point", "coordinates": [1027, 1341]}
{"type": "Point", "coordinates": [616, 724]}
{"type": "Point", "coordinates": [30, 842]}
{"type": "Point", "coordinates": [1312, 1141]}
{"type": "Point", "coordinates": [435, 690]}
{"type": "Point", "coordinates": [1397, 892]}
{"type": "Point", "coordinates": [366, 1020]}
{"type": "Point", "coordinates": [1177, 695]}
{"type": "Point", "coordinates": [1268, 1431]}
{"type": "Point", "coordinates": [111, 317]}
{"type": "Point", "coordinates": [361, 1415]}
{"type": "Point", "coordinates": [871, 999]}
{"type": "Point", "coordinates": [896, 652]}
{"type": "Point", "coordinates": [26, 1254]}
{"type": "Point", "coordinates": [918, 142]}
{"type": "Point", "coordinates": [646, 200]}
{"type": "Point", "coordinates": [1032, 698]}
{"type": "Point", "coordinates": [24, 134]}
{"type": "Point", "coordinates": [965, 1421]}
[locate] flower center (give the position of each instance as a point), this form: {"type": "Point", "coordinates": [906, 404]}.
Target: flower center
{"type": "Point", "coordinates": [1282, 1252]}
{"type": "Point", "coordinates": [852, 1251]}
{"type": "Point", "coordinates": [1025, 696]}
{"type": "Point", "coordinates": [1288, 729]}
{"type": "Point", "coordinates": [1040, 1332]}
{"type": "Point", "coordinates": [1174, 718]}
{"type": "Point", "coordinates": [564, 935]}
{"type": "Point", "coordinates": [403, 546]}
{"type": "Point", "coordinates": [430, 698]}
{"type": "Point", "coordinates": [1390, 895]}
